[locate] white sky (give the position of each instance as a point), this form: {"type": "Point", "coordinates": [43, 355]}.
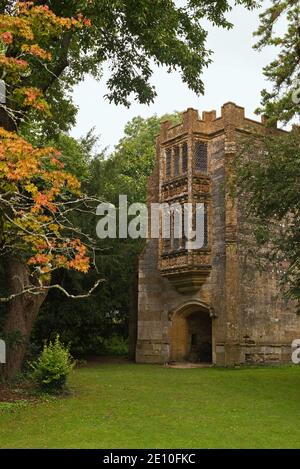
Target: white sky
{"type": "Point", "coordinates": [235, 75]}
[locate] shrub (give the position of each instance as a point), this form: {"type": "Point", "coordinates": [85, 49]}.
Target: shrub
{"type": "Point", "coordinates": [51, 369]}
{"type": "Point", "coordinates": [116, 345]}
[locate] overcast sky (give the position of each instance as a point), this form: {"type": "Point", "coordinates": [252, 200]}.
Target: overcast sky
{"type": "Point", "coordinates": [235, 75]}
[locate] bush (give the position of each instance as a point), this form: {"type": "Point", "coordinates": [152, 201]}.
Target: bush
{"type": "Point", "coordinates": [116, 345]}
{"type": "Point", "coordinates": [51, 369]}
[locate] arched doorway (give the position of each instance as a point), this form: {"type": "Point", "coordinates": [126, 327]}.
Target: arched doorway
{"type": "Point", "coordinates": [191, 334]}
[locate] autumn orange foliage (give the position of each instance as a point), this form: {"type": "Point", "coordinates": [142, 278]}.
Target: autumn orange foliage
{"type": "Point", "coordinates": [34, 187]}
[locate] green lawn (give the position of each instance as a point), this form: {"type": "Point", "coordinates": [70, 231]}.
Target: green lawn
{"type": "Point", "coordinates": [145, 406]}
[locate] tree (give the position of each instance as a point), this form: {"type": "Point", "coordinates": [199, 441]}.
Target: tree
{"type": "Point", "coordinates": [90, 325]}
{"type": "Point", "coordinates": [126, 171]}
{"type": "Point", "coordinates": [269, 183]}
{"type": "Point", "coordinates": [129, 35]}
{"type": "Point", "coordinates": [36, 193]}
{"type": "Point", "coordinates": [43, 54]}
{"type": "Point", "coordinates": [282, 102]}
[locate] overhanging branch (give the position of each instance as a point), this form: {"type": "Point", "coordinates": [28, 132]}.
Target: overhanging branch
{"type": "Point", "coordinates": [34, 290]}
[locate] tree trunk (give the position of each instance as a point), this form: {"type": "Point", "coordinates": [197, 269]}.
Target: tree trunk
{"type": "Point", "coordinates": [133, 313]}
{"type": "Point", "coordinates": [6, 121]}
{"type": "Point", "coordinates": [22, 312]}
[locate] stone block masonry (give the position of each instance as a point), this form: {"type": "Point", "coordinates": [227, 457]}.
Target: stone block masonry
{"type": "Point", "coordinates": [209, 305]}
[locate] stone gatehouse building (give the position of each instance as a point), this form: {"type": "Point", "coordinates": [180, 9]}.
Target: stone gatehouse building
{"type": "Point", "coordinates": [211, 304]}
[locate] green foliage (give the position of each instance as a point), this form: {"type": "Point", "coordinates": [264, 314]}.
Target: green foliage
{"type": "Point", "coordinates": [90, 325]}
{"type": "Point", "coordinates": [130, 36]}
{"type": "Point", "coordinates": [131, 33]}
{"type": "Point", "coordinates": [51, 369]}
{"type": "Point", "coordinates": [126, 171]}
{"type": "Point", "coordinates": [284, 71]}
{"type": "Point", "coordinates": [116, 346]}
{"type": "Point", "coordinates": [268, 180]}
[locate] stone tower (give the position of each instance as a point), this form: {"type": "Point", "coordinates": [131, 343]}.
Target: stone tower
{"type": "Point", "coordinates": [209, 304]}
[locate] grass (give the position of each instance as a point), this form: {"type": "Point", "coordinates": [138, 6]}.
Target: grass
{"type": "Point", "coordinates": [147, 406]}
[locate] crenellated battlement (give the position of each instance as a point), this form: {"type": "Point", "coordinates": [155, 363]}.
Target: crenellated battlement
{"type": "Point", "coordinates": [209, 124]}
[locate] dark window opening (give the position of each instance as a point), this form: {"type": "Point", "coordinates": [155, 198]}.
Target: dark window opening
{"type": "Point", "coordinates": [184, 157]}
{"type": "Point", "coordinates": [177, 217]}
{"type": "Point", "coordinates": [200, 156]}
{"type": "Point", "coordinates": [168, 163]}
{"type": "Point", "coordinates": [176, 160]}
{"type": "Point", "coordinates": [176, 244]}
{"type": "Point", "coordinates": [205, 222]}
{"type": "Point", "coordinates": [183, 237]}
{"type": "Point", "coordinates": [167, 245]}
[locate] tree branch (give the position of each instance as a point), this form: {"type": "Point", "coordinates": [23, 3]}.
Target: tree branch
{"type": "Point", "coordinates": [41, 290]}
{"type": "Point", "coordinates": [62, 62]}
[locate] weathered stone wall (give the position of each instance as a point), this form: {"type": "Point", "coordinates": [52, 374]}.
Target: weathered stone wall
{"type": "Point", "coordinates": [150, 337]}
{"type": "Point", "coordinates": [150, 330]}
{"type": "Point", "coordinates": [251, 322]}
{"type": "Point", "coordinates": [267, 322]}
{"type": "Point", "coordinates": [216, 282]}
